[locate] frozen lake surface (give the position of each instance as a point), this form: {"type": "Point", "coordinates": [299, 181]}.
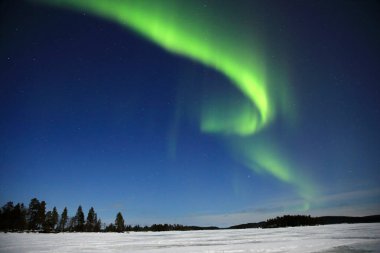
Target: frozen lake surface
{"type": "Point", "coordinates": [351, 238]}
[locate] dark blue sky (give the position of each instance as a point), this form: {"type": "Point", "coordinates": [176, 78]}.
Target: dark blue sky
{"type": "Point", "coordinates": [92, 114]}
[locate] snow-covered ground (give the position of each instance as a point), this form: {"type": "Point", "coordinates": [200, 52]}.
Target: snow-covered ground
{"type": "Point", "coordinates": [352, 238]}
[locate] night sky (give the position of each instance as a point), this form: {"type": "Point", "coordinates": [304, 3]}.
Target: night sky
{"type": "Point", "coordinates": [191, 112]}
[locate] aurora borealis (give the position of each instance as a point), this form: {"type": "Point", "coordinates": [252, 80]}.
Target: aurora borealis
{"type": "Point", "coordinates": [246, 93]}
{"type": "Point", "coordinates": [167, 24]}
{"type": "Point", "coordinates": [173, 28]}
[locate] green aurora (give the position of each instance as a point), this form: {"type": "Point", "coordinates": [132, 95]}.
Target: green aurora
{"type": "Point", "coordinates": [182, 29]}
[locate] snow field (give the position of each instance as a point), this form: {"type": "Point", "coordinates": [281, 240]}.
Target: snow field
{"type": "Point", "coordinates": [351, 238]}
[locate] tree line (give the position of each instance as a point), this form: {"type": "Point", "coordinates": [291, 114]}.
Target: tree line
{"type": "Point", "coordinates": [291, 221]}
{"type": "Point", "coordinates": [307, 220]}
{"type": "Point", "coordinates": [35, 217]}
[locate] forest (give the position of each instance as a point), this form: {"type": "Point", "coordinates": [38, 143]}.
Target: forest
{"type": "Point", "coordinates": [35, 218]}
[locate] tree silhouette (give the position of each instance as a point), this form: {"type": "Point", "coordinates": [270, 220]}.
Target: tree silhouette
{"type": "Point", "coordinates": [33, 212]}
{"type": "Point", "coordinates": [41, 214]}
{"type": "Point", "coordinates": [54, 218]}
{"type": "Point", "coordinates": [91, 220]}
{"type": "Point", "coordinates": [119, 223]}
{"type": "Point", "coordinates": [63, 221]}
{"type": "Point", "coordinates": [79, 220]}
{"type": "Point", "coordinates": [48, 224]}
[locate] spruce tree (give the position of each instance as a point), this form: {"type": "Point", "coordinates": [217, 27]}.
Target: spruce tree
{"type": "Point", "coordinates": [33, 212]}
{"type": "Point", "coordinates": [90, 221]}
{"type": "Point", "coordinates": [41, 215]}
{"type": "Point", "coordinates": [119, 223]}
{"type": "Point", "coordinates": [63, 221]}
{"type": "Point", "coordinates": [48, 224]}
{"type": "Point", "coordinates": [54, 218]}
{"type": "Point", "coordinates": [79, 220]}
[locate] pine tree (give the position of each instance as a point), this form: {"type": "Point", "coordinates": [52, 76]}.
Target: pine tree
{"type": "Point", "coordinates": [33, 211]}
{"type": "Point", "coordinates": [48, 224]}
{"type": "Point", "coordinates": [79, 220]}
{"type": "Point", "coordinates": [41, 215]}
{"type": "Point", "coordinates": [63, 221]}
{"type": "Point", "coordinates": [90, 221]}
{"type": "Point", "coordinates": [119, 223]}
{"type": "Point", "coordinates": [54, 218]}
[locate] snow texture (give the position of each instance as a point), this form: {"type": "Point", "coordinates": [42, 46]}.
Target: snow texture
{"type": "Point", "coordinates": [351, 238]}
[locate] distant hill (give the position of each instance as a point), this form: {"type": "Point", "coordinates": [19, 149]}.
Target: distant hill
{"type": "Point", "coordinates": [324, 220]}
{"type": "Point", "coordinates": [303, 220]}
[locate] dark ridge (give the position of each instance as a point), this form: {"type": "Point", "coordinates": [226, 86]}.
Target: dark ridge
{"type": "Point", "coordinates": [324, 220]}
{"type": "Point", "coordinates": [303, 220]}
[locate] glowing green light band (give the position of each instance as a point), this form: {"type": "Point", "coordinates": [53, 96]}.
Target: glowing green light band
{"type": "Point", "coordinates": [179, 29]}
